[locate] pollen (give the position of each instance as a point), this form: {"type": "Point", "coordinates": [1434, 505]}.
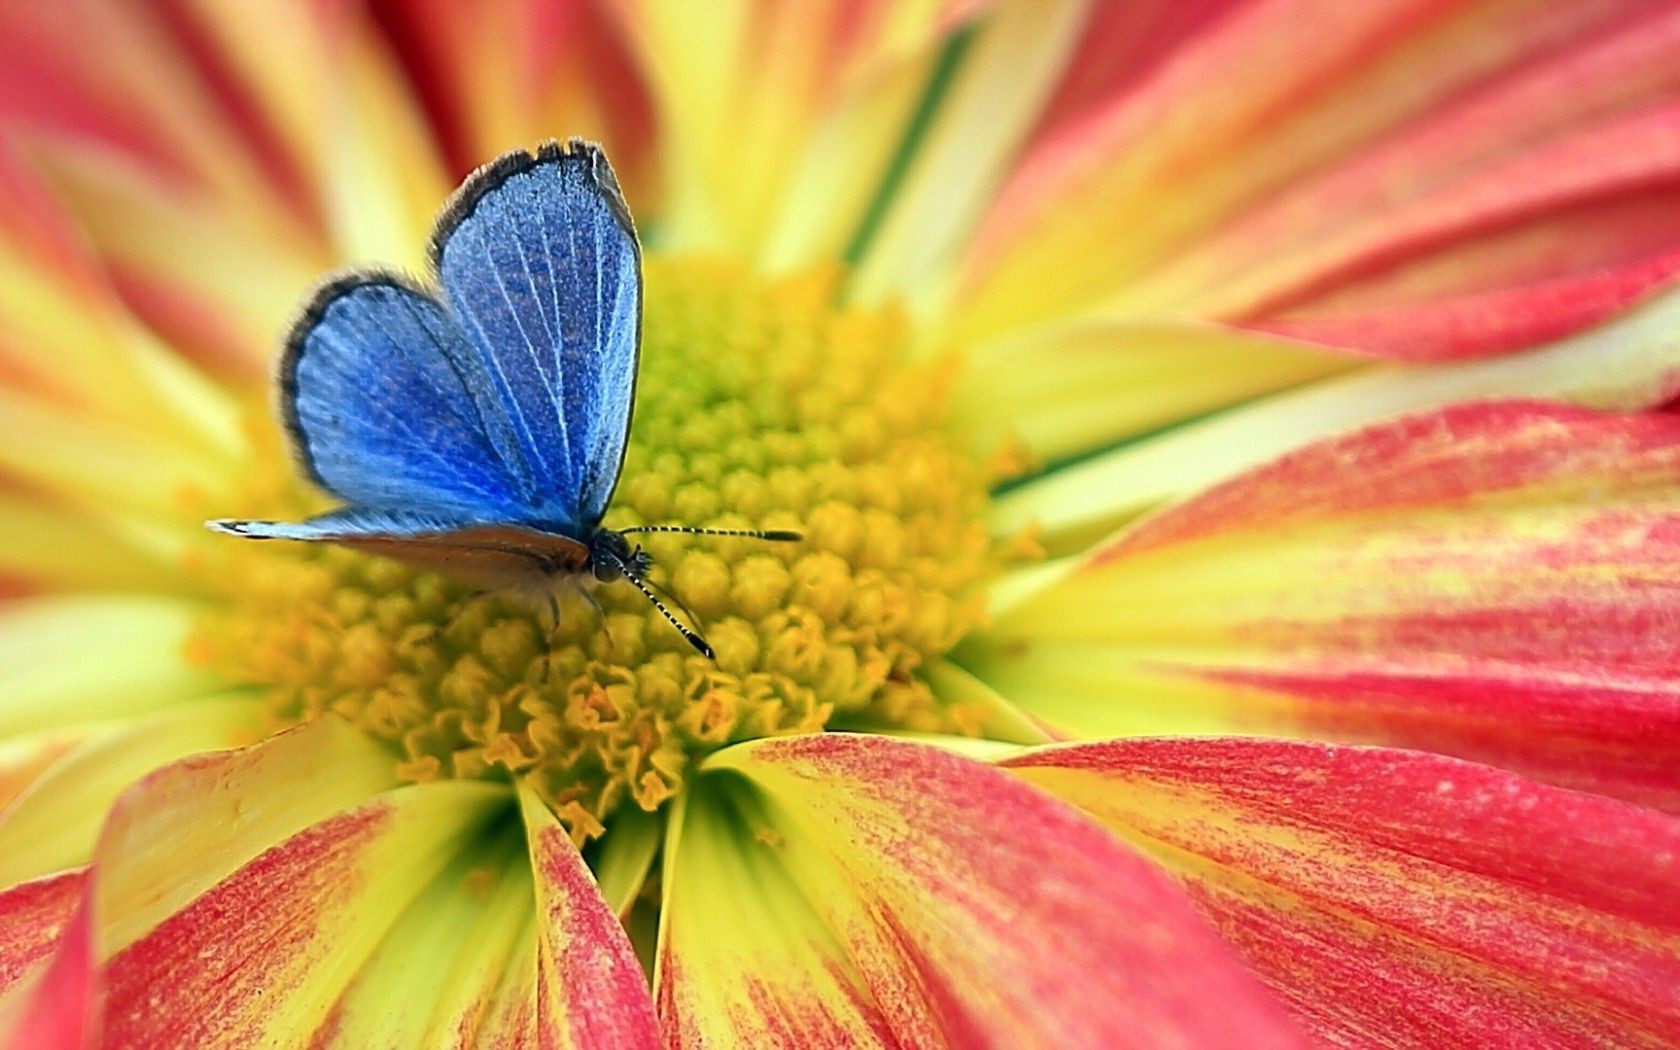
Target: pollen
{"type": "Point", "coordinates": [759, 405]}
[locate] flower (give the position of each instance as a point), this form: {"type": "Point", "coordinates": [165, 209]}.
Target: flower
{"type": "Point", "coordinates": [1366, 732]}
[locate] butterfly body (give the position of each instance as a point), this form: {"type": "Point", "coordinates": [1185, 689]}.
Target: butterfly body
{"type": "Point", "coordinates": [480, 429]}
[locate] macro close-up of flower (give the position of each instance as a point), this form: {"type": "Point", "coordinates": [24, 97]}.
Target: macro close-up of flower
{"type": "Point", "coordinates": [1200, 491]}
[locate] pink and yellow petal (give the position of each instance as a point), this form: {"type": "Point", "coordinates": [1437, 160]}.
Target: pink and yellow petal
{"type": "Point", "coordinates": [879, 891]}
{"type": "Point", "coordinates": [591, 990]}
{"type": "Point", "coordinates": [1487, 581]}
{"type": "Point", "coordinates": [223, 810]}
{"type": "Point", "coordinates": [1362, 143]}
{"type": "Point", "coordinates": [1404, 898]}
{"type": "Point", "coordinates": [1628, 364]}
{"type": "Point", "coordinates": [268, 951]}
{"type": "Point", "coordinates": [302, 860]}
{"type": "Point", "coordinates": [53, 824]}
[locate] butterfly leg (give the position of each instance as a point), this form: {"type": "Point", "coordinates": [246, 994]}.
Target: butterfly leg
{"type": "Point", "coordinates": [553, 602]}
{"type": "Point", "coordinates": [600, 613]}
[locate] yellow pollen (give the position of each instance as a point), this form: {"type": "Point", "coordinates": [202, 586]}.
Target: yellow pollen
{"type": "Point", "coordinates": [759, 405]}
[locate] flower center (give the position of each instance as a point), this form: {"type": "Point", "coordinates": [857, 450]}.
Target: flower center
{"type": "Point", "coordinates": [759, 405]}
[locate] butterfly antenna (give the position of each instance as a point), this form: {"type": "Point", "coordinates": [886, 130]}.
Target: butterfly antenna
{"type": "Point", "coordinates": [776, 535]}
{"type": "Point", "coordinates": [693, 637]}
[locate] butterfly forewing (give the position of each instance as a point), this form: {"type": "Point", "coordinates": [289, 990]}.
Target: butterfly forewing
{"type": "Point", "coordinates": [540, 266]}
{"type": "Point", "coordinates": [489, 554]}
{"type": "Point", "coordinates": [377, 408]}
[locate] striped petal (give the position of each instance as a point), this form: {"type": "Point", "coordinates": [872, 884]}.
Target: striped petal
{"type": "Point", "coordinates": [1395, 178]}
{"type": "Point", "coordinates": [1491, 581]}
{"type": "Point", "coordinates": [591, 991]}
{"type": "Point", "coordinates": [1400, 899]}
{"type": "Point", "coordinates": [1629, 364]}
{"type": "Point", "coordinates": [849, 890]}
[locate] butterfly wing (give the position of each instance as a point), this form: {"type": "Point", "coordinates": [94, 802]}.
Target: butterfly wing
{"type": "Point", "coordinates": [381, 413]}
{"type": "Point", "coordinates": [494, 554]}
{"type": "Point", "coordinates": [540, 266]}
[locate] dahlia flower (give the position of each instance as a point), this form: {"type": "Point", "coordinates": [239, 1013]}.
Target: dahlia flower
{"type": "Point", "coordinates": [1239, 585]}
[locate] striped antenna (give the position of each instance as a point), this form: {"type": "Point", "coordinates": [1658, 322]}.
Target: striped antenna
{"type": "Point", "coordinates": [777, 535]}
{"type": "Point", "coordinates": [693, 637]}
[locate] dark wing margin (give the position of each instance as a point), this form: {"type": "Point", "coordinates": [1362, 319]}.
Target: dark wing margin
{"type": "Point", "coordinates": [371, 396]}
{"type": "Point", "coordinates": [489, 177]}
{"type": "Point", "coordinates": [538, 259]}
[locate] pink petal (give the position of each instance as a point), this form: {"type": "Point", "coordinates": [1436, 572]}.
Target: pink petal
{"type": "Point", "coordinates": [590, 988]}
{"type": "Point", "coordinates": [1401, 898]}
{"type": "Point", "coordinates": [1495, 581]}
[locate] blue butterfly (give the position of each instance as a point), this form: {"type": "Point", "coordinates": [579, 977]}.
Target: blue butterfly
{"type": "Point", "coordinates": [481, 431]}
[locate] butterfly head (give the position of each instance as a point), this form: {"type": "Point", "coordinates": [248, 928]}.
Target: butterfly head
{"type": "Point", "coordinates": [612, 557]}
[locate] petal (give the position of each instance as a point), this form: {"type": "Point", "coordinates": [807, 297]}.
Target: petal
{"type": "Point", "coordinates": [1060, 390]}
{"type": "Point", "coordinates": [778, 123]}
{"type": "Point", "coordinates": [1397, 898]}
{"type": "Point", "coordinates": [53, 824]}
{"type": "Point", "coordinates": [1489, 581]}
{"type": "Point", "coordinates": [55, 1009]}
{"type": "Point", "coordinates": [513, 71]}
{"type": "Point", "coordinates": [841, 889]}
{"type": "Point", "coordinates": [266, 953]}
{"type": "Point", "coordinates": [221, 810]}
{"type": "Point", "coordinates": [1371, 167]}
{"type": "Point", "coordinates": [464, 939]}
{"type": "Point", "coordinates": [591, 991]}
{"type": "Point", "coordinates": [33, 917]}
{"type": "Point", "coordinates": [50, 681]}
{"type": "Point", "coordinates": [382, 177]}
{"type": "Point", "coordinates": [51, 547]}
{"type": "Point", "coordinates": [239, 893]}
{"type": "Point", "coordinates": [1005, 74]}
{"type": "Point", "coordinates": [1629, 364]}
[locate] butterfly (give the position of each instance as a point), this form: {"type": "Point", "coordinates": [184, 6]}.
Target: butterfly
{"type": "Point", "coordinates": [480, 430]}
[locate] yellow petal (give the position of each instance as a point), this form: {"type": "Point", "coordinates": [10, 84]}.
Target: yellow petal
{"type": "Point", "coordinates": [1061, 390]}
{"type": "Point", "coordinates": [72, 661]}
{"type": "Point", "coordinates": [382, 175]}
{"type": "Point", "coordinates": [1003, 80]}
{"type": "Point", "coordinates": [461, 939]}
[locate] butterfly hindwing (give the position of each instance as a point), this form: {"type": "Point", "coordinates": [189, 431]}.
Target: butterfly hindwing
{"type": "Point", "coordinates": [540, 266]}
{"type": "Point", "coordinates": [373, 394]}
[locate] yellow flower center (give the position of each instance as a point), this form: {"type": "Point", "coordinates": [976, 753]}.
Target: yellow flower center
{"type": "Point", "coordinates": [759, 405]}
